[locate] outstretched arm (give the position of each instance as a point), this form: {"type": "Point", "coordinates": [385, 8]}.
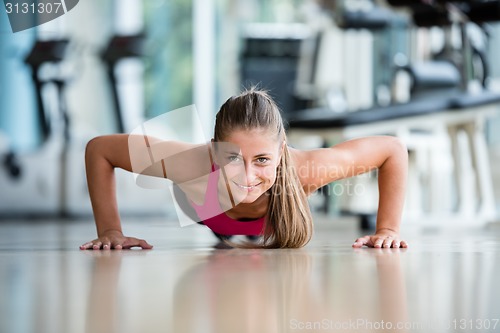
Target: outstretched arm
{"type": "Point", "coordinates": [145, 155]}
{"type": "Point", "coordinates": [102, 155]}
{"type": "Point", "coordinates": [385, 153]}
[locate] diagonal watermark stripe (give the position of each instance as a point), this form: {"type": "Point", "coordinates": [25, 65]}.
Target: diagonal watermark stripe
{"type": "Point", "coordinates": [26, 14]}
{"type": "Point", "coordinates": [199, 173]}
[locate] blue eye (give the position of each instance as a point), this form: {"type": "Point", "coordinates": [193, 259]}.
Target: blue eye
{"type": "Point", "coordinates": [262, 160]}
{"type": "Point", "coordinates": [233, 158]}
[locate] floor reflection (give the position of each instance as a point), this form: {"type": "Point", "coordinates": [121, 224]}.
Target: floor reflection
{"type": "Point", "coordinates": [443, 283]}
{"type": "Point", "coordinates": [246, 291]}
{"type": "Point", "coordinates": [102, 303]}
{"type": "Point", "coordinates": [260, 291]}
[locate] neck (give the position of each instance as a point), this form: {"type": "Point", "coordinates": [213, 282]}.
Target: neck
{"type": "Point", "coordinates": [253, 210]}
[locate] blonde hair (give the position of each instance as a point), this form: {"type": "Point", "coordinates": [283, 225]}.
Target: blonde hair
{"type": "Point", "coordinates": [288, 219]}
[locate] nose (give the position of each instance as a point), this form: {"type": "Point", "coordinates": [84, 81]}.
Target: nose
{"type": "Point", "coordinates": [250, 174]}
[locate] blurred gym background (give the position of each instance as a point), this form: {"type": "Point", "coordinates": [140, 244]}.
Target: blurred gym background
{"type": "Point", "coordinates": [424, 71]}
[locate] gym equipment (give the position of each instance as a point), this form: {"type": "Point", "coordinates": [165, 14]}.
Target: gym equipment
{"type": "Point", "coordinates": [51, 180]}
{"type": "Point", "coordinates": [270, 59]}
{"type": "Point", "coordinates": [34, 182]}
{"type": "Point", "coordinates": [118, 48]}
{"type": "Point", "coordinates": [43, 52]}
{"type": "Point", "coordinates": [468, 57]}
{"type": "Point", "coordinates": [437, 13]}
{"type": "Point", "coordinates": [440, 102]}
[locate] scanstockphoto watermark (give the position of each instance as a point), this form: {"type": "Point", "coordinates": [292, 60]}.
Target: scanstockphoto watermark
{"type": "Point", "coordinates": [455, 324]}
{"type": "Point", "coordinates": [25, 14]}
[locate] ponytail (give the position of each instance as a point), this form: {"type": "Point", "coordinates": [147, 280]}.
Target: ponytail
{"type": "Point", "coordinates": [289, 220]}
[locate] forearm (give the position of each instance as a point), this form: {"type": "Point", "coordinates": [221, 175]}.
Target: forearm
{"type": "Point", "coordinates": [392, 188]}
{"type": "Point", "coordinates": [102, 189]}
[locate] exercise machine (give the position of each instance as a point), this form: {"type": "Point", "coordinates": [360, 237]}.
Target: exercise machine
{"type": "Point", "coordinates": [459, 115]}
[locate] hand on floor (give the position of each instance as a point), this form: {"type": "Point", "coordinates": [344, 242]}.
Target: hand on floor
{"type": "Point", "coordinates": [115, 240]}
{"type": "Point", "coordinates": [383, 238]}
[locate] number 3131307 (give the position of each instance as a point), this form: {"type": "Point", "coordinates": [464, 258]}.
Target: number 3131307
{"type": "Point", "coordinates": [32, 8]}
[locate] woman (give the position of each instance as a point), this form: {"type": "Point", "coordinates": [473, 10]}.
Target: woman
{"type": "Point", "coordinates": [267, 182]}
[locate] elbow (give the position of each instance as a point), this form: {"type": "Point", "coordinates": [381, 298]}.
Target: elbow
{"type": "Point", "coordinates": [92, 148]}
{"type": "Point", "coordinates": [400, 148]}
{"type": "Point", "coordinates": [399, 152]}
{"type": "Point", "coordinates": [396, 152]}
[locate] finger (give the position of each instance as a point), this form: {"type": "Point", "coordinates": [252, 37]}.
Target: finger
{"type": "Point", "coordinates": [378, 242]}
{"type": "Point", "coordinates": [86, 246]}
{"type": "Point", "coordinates": [97, 245]}
{"type": "Point", "coordinates": [145, 245]}
{"type": "Point", "coordinates": [135, 242]}
{"type": "Point", "coordinates": [105, 243]}
{"type": "Point", "coordinates": [362, 239]}
{"type": "Point", "coordinates": [129, 243]}
{"type": "Point", "coordinates": [387, 242]}
{"type": "Point", "coordinates": [396, 244]}
{"type": "Point", "coordinates": [360, 242]}
{"type": "Point", "coordinates": [117, 245]}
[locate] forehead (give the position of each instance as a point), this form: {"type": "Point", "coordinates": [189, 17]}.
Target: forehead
{"type": "Point", "coordinates": [252, 141]}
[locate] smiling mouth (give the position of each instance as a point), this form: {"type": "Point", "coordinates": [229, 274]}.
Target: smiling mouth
{"type": "Point", "coordinates": [248, 188]}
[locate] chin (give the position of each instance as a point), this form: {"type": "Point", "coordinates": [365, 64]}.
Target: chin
{"type": "Point", "coordinates": [249, 199]}
{"type": "Point", "coordinates": [245, 197]}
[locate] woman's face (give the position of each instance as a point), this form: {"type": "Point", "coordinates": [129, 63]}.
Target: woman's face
{"type": "Point", "coordinates": [249, 160]}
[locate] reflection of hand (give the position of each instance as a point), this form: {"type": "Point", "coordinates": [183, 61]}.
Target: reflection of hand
{"type": "Point", "coordinates": [114, 239]}
{"type": "Point", "coordinates": [382, 238]}
{"type": "Point", "coordinates": [102, 301]}
{"type": "Point", "coordinates": [390, 289]}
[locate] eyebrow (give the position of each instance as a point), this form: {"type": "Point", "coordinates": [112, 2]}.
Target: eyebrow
{"type": "Point", "coordinates": [258, 155]}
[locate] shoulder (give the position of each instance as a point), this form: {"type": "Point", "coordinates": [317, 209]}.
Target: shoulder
{"type": "Point", "coordinates": [186, 161]}
{"type": "Point", "coordinates": [318, 167]}
{"type": "Point", "coordinates": [301, 162]}
{"type": "Point", "coordinates": [298, 156]}
{"type": "Point", "coordinates": [176, 160]}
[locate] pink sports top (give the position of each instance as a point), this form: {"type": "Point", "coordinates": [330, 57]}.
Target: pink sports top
{"type": "Point", "coordinates": [217, 219]}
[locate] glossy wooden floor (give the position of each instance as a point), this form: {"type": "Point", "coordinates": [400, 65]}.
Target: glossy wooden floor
{"type": "Point", "coordinates": [445, 282]}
